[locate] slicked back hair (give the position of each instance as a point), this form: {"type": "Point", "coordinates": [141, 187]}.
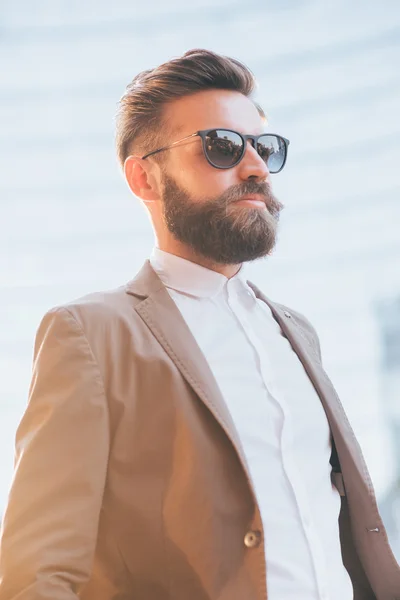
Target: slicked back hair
{"type": "Point", "coordinates": [139, 122]}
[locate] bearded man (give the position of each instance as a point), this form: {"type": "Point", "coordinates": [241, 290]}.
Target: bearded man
{"type": "Point", "coordinates": [182, 440]}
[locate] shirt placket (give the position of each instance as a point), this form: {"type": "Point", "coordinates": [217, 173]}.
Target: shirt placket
{"type": "Point", "coordinates": [290, 467]}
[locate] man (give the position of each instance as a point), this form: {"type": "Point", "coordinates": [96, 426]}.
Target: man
{"type": "Point", "coordinates": [182, 440]}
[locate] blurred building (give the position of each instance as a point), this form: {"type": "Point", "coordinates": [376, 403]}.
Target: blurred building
{"type": "Point", "coordinates": [329, 80]}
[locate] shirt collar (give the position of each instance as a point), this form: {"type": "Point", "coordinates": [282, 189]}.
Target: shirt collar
{"type": "Point", "coordinates": [190, 278]}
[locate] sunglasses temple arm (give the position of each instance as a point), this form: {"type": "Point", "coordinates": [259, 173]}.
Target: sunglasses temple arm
{"type": "Point", "coordinates": [169, 146]}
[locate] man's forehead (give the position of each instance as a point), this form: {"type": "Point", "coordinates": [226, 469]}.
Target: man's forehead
{"type": "Point", "coordinates": [214, 109]}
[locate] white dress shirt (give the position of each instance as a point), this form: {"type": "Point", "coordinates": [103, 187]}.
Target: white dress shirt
{"type": "Point", "coordinates": [281, 423]}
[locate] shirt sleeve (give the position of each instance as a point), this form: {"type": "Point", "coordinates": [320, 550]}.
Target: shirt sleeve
{"type": "Point", "coordinates": [50, 525]}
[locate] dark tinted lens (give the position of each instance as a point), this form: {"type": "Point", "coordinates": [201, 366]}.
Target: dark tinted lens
{"type": "Point", "coordinates": [223, 148]}
{"type": "Point", "coordinates": [272, 150]}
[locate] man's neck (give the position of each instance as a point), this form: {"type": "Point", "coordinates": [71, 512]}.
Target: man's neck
{"type": "Point", "coordinates": [183, 251]}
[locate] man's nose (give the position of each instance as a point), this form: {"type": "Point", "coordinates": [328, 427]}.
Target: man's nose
{"type": "Point", "coordinates": [252, 165]}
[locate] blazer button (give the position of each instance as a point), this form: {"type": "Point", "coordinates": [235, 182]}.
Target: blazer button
{"type": "Point", "coordinates": [252, 539]}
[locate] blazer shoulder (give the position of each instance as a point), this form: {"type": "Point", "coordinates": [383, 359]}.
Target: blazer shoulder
{"type": "Point", "coordinates": [97, 309]}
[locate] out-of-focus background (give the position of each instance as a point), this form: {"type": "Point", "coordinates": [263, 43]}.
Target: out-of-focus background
{"type": "Point", "coordinates": [329, 79]}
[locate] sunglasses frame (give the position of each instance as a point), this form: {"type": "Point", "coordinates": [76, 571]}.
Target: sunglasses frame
{"type": "Point", "coordinates": [244, 137]}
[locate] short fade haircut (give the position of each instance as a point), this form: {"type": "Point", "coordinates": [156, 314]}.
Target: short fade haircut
{"type": "Point", "coordinates": [139, 118]}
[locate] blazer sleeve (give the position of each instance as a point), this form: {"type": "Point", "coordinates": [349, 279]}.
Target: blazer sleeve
{"type": "Point", "coordinates": [50, 525]}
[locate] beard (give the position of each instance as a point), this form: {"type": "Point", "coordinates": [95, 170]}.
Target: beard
{"type": "Point", "coordinates": [219, 230]}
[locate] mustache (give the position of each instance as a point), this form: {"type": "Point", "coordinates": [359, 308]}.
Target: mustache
{"type": "Point", "coordinates": [248, 188]}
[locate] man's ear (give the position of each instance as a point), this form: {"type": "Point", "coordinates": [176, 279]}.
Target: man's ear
{"type": "Point", "coordinates": [141, 179]}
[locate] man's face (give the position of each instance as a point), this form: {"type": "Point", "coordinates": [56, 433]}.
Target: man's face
{"type": "Point", "coordinates": [203, 207]}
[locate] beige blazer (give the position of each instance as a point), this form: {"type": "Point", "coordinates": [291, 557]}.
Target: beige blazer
{"type": "Point", "coordinates": [131, 482]}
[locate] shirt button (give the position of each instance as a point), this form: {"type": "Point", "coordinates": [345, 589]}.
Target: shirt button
{"type": "Point", "coordinates": [287, 314]}
{"type": "Point", "coordinates": [252, 539]}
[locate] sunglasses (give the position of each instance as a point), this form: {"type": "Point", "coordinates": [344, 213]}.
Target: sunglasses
{"type": "Point", "coordinates": [225, 148]}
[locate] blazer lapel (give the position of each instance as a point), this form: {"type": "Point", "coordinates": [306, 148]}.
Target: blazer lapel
{"type": "Point", "coordinates": [345, 442]}
{"type": "Point", "coordinates": [165, 321]}
{"type": "Point", "coordinates": [163, 318]}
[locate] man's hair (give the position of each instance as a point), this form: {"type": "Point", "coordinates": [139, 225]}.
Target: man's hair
{"type": "Point", "coordinates": [140, 111]}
